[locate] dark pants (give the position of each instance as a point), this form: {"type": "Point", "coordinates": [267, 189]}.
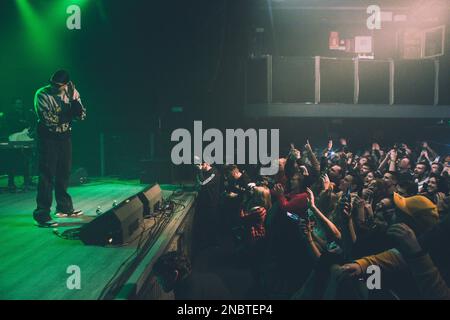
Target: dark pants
{"type": "Point", "coordinates": [55, 161]}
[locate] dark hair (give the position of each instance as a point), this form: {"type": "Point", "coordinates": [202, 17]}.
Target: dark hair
{"type": "Point", "coordinates": [409, 185]}
{"type": "Point", "coordinates": [358, 181]}
{"type": "Point", "coordinates": [394, 174]}
{"type": "Point", "coordinates": [441, 182]}
{"type": "Point", "coordinates": [341, 169]}
{"type": "Point", "coordinates": [299, 173]}
{"type": "Point", "coordinates": [372, 172]}
{"type": "Point", "coordinates": [440, 166]}
{"type": "Point", "coordinates": [370, 165]}
{"type": "Point", "coordinates": [229, 168]}
{"type": "Point", "coordinates": [60, 76]}
{"type": "Point", "coordinates": [378, 174]}
{"type": "Point", "coordinates": [380, 190]}
{"type": "Point", "coordinates": [170, 262]}
{"type": "Point", "coordinates": [292, 166]}
{"type": "Point", "coordinates": [426, 164]}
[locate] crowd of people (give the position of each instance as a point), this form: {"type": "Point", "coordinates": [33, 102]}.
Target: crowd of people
{"type": "Point", "coordinates": [314, 230]}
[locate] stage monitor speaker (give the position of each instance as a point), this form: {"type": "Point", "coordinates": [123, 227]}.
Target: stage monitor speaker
{"type": "Point", "coordinates": [336, 81]}
{"type": "Point", "coordinates": [444, 82]}
{"type": "Point", "coordinates": [78, 177]}
{"type": "Point", "coordinates": [117, 226]}
{"type": "Point", "coordinates": [293, 79]}
{"type": "Point", "coordinates": [414, 82]}
{"type": "Point", "coordinates": [373, 82]}
{"type": "Point", "coordinates": [151, 199]}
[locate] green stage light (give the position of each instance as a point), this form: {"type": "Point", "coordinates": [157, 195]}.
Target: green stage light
{"type": "Point", "coordinates": [29, 17]}
{"type": "Point", "coordinates": [38, 36]}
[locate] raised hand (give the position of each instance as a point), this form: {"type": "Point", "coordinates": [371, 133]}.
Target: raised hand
{"type": "Point", "coordinates": [308, 146]}
{"type": "Point", "coordinates": [311, 200]}
{"type": "Point", "coordinates": [405, 238]}
{"type": "Point", "coordinates": [278, 189]}
{"type": "Point", "coordinates": [352, 269]}
{"type": "Point", "coordinates": [325, 182]}
{"type": "Point", "coordinates": [72, 92]}
{"type": "Point", "coordinates": [346, 208]}
{"type": "Point", "coordinates": [375, 146]}
{"type": "Point", "coordinates": [393, 155]}
{"type": "Point", "coordinates": [305, 171]}
{"type": "Point", "coordinates": [306, 228]}
{"type": "Point", "coordinates": [349, 158]}
{"type": "Point", "coordinates": [358, 202]}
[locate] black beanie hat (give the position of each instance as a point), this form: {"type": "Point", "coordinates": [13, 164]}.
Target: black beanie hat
{"type": "Point", "coordinates": [60, 77]}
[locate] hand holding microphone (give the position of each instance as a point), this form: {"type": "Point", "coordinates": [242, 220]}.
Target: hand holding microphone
{"type": "Point", "coordinates": [72, 93]}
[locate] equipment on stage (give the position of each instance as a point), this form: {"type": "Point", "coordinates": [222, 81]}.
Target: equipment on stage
{"type": "Point", "coordinates": [151, 199]}
{"type": "Point", "coordinates": [17, 145]}
{"type": "Point", "coordinates": [22, 136]}
{"type": "Point", "coordinates": [17, 158]}
{"type": "Point", "coordinates": [117, 226]}
{"type": "Point", "coordinates": [78, 177]}
{"type": "Point", "coordinates": [123, 222]}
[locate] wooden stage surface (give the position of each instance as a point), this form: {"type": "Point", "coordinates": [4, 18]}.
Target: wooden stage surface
{"type": "Point", "coordinates": [34, 261]}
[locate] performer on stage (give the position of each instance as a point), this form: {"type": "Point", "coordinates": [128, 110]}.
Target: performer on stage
{"type": "Point", "coordinates": [56, 106]}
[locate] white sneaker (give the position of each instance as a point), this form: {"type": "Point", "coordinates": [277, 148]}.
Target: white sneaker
{"type": "Point", "coordinates": [73, 214]}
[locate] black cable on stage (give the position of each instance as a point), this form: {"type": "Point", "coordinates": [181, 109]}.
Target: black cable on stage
{"type": "Point", "coordinates": [112, 287]}
{"type": "Point", "coordinates": [162, 219]}
{"type": "Point", "coordinates": [113, 283]}
{"type": "Point", "coordinates": [113, 278]}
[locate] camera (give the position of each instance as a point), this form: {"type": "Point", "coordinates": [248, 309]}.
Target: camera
{"type": "Point", "coordinates": [400, 148]}
{"type": "Point", "coordinates": [266, 181]}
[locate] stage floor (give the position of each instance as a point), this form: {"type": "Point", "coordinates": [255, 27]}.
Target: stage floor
{"type": "Point", "coordinates": [34, 261]}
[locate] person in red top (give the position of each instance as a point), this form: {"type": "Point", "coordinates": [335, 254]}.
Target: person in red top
{"type": "Point", "coordinates": [253, 215]}
{"type": "Point", "coordinates": [297, 199]}
{"type": "Point", "coordinates": [288, 262]}
{"type": "Point", "coordinates": [253, 218]}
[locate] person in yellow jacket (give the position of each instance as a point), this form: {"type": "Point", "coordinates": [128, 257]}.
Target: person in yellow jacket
{"type": "Point", "coordinates": [421, 214]}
